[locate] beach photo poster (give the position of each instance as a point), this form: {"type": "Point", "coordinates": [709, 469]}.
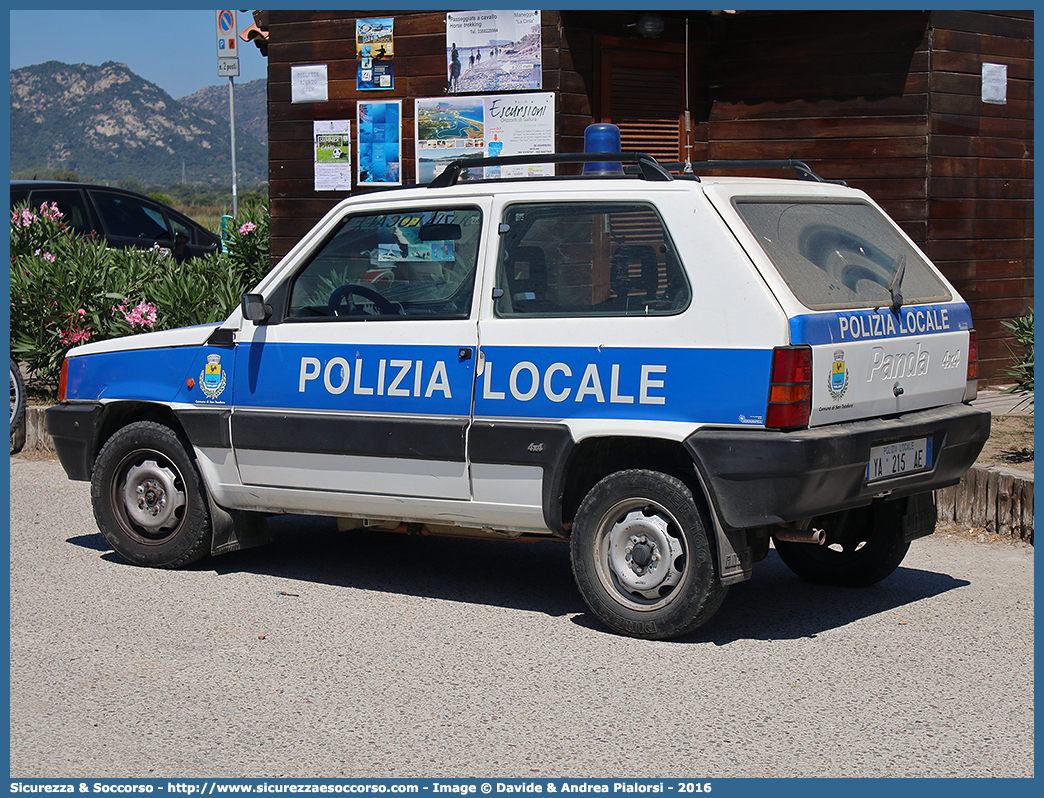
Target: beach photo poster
{"type": "Point", "coordinates": [491, 51]}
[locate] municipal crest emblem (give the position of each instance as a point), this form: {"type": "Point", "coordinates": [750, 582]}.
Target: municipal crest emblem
{"type": "Point", "coordinates": [212, 380]}
{"type": "Point", "coordinates": [838, 384]}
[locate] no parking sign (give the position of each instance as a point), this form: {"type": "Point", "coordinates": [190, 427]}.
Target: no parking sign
{"type": "Point", "coordinates": [227, 52]}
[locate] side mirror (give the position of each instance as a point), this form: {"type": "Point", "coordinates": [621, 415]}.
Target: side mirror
{"type": "Point", "coordinates": [180, 240]}
{"type": "Point", "coordinates": [255, 309]}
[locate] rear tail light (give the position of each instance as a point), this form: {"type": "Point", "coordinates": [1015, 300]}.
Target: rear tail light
{"type": "Point", "coordinates": [971, 387]}
{"type": "Point", "coordinates": [63, 380]}
{"type": "Point", "coordinates": [790, 390]}
{"type": "Point", "coordinates": [973, 356]}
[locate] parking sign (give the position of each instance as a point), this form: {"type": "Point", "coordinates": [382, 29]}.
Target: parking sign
{"type": "Point", "coordinates": [227, 52]}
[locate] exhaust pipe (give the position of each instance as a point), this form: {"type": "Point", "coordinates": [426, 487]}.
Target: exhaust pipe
{"type": "Point", "coordinates": [790, 535]}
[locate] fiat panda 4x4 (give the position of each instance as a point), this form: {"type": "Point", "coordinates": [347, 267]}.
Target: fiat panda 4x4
{"type": "Point", "coordinates": [668, 371]}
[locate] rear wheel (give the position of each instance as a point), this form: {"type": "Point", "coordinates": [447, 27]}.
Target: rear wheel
{"type": "Point", "coordinates": [641, 556]}
{"type": "Point", "coordinates": [864, 545]}
{"type": "Point", "coordinates": [17, 396]}
{"type": "Point", "coordinates": [148, 498]}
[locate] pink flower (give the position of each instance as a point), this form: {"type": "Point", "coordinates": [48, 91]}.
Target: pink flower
{"type": "Point", "coordinates": [51, 212]}
{"type": "Point", "coordinates": [141, 315]}
{"type": "Point", "coordinates": [72, 337]}
{"type": "Point", "coordinates": [23, 218]}
{"type": "Point", "coordinates": [247, 227]}
{"type": "Point", "coordinates": [45, 255]}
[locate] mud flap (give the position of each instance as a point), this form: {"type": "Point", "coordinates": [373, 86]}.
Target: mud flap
{"type": "Point", "coordinates": [920, 517]}
{"type": "Point", "coordinates": [235, 530]}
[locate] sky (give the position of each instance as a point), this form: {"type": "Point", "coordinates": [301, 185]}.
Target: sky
{"type": "Point", "coordinates": [176, 50]}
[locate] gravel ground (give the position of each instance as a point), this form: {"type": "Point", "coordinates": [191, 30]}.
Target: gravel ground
{"type": "Point", "coordinates": [384, 656]}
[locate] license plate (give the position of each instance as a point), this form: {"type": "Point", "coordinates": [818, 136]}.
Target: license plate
{"type": "Point", "coordinates": [896, 459]}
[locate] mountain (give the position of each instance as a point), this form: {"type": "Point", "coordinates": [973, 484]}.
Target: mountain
{"type": "Point", "coordinates": [105, 123]}
{"type": "Point", "coordinates": [251, 106]}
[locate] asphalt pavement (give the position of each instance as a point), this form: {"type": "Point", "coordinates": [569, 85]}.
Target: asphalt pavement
{"type": "Point", "coordinates": [364, 655]}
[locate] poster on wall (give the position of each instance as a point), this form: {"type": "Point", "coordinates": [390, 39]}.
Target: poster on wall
{"type": "Point", "coordinates": [373, 49]}
{"type": "Point", "coordinates": [332, 143]}
{"type": "Point", "coordinates": [449, 128]}
{"type": "Point", "coordinates": [493, 51]}
{"type": "Point", "coordinates": [309, 84]}
{"type": "Point", "coordinates": [379, 143]}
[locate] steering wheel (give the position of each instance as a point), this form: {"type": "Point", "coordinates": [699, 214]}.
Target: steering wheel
{"type": "Point", "coordinates": [384, 305]}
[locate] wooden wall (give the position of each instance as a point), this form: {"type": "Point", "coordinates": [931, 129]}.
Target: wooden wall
{"type": "Point", "coordinates": [980, 171]}
{"type": "Point", "coordinates": [887, 100]}
{"type": "Point", "coordinates": [299, 38]}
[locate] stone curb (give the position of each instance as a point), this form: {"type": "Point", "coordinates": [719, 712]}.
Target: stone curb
{"type": "Point", "coordinates": [994, 498]}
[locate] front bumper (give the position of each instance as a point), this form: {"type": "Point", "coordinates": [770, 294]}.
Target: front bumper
{"type": "Point", "coordinates": [757, 477]}
{"type": "Point", "coordinates": [73, 428]}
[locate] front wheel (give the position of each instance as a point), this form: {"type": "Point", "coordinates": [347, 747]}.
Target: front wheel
{"type": "Point", "coordinates": [642, 558]}
{"type": "Point", "coordinates": [148, 498]}
{"type": "Point", "coordinates": [864, 545]}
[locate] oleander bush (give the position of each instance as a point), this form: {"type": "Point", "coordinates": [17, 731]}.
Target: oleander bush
{"type": "Point", "coordinates": [69, 289]}
{"type": "Point", "coordinates": [1021, 373]}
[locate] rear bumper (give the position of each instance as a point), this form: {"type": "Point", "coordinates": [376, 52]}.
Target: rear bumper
{"type": "Point", "coordinates": [758, 477]}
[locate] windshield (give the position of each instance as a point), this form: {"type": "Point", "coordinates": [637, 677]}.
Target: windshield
{"type": "Point", "coordinates": [837, 255]}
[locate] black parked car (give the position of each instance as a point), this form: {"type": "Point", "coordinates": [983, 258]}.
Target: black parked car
{"type": "Point", "coordinates": [124, 218]}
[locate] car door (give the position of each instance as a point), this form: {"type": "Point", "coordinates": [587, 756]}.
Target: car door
{"type": "Point", "coordinates": [362, 381]}
{"type": "Point", "coordinates": [132, 222]}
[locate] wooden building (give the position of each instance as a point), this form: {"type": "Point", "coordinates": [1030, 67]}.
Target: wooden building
{"type": "Point", "coordinates": [889, 101]}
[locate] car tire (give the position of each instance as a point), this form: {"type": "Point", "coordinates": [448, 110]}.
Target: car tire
{"type": "Point", "coordinates": [17, 396]}
{"type": "Point", "coordinates": [642, 558]}
{"type": "Point", "coordinates": [148, 498]}
{"type": "Point", "coordinates": [864, 545]}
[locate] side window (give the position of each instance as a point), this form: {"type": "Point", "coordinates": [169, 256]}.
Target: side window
{"type": "Point", "coordinates": [587, 259]}
{"type": "Point", "coordinates": [415, 264]}
{"type": "Point", "coordinates": [129, 217]}
{"type": "Point", "coordinates": [70, 202]}
{"type": "Point", "coordinates": [184, 229]}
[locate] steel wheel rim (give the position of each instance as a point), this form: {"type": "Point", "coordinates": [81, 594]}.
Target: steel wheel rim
{"type": "Point", "coordinates": [149, 496]}
{"type": "Point", "coordinates": [16, 396]}
{"type": "Point", "coordinates": [640, 554]}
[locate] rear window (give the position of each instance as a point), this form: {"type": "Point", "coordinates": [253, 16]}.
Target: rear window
{"type": "Point", "coordinates": [837, 255]}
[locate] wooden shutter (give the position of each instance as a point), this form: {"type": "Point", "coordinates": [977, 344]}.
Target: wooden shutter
{"type": "Point", "coordinates": [643, 93]}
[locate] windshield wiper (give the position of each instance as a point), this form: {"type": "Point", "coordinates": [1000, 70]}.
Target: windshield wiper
{"type": "Point", "coordinates": [897, 279]}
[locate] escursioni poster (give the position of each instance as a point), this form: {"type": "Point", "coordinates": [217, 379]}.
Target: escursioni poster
{"type": "Point", "coordinates": [451, 128]}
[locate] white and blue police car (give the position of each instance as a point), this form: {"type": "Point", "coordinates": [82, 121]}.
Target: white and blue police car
{"type": "Point", "coordinates": [667, 370]}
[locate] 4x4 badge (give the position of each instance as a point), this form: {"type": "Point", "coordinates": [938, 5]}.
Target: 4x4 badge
{"type": "Point", "coordinates": [212, 380]}
{"type": "Point", "coordinates": [838, 376]}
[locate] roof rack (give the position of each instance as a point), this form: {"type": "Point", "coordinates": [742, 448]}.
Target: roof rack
{"type": "Point", "coordinates": [647, 166]}
{"type": "Point", "coordinates": [635, 163]}
{"type": "Point", "coordinates": [800, 168]}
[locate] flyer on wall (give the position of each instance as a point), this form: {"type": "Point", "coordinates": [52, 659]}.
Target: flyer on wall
{"type": "Point", "coordinates": [332, 139]}
{"type": "Point", "coordinates": [493, 51]}
{"type": "Point", "coordinates": [374, 48]}
{"type": "Point", "coordinates": [452, 128]}
{"type": "Point", "coordinates": [379, 143]}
